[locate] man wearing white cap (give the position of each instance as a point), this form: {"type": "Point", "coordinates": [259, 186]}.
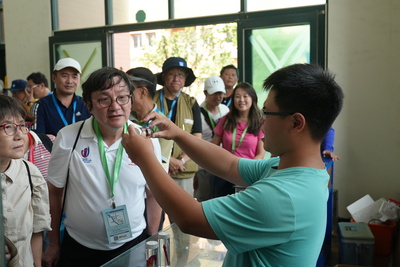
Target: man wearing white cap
{"type": "Point", "coordinates": [63, 107]}
{"type": "Point", "coordinates": [211, 112]}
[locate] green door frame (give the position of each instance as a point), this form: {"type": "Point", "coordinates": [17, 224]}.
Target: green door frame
{"type": "Point", "coordinates": [313, 15]}
{"type": "Point", "coordinates": [71, 37]}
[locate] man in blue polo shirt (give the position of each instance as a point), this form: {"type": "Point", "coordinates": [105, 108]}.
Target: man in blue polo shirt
{"type": "Point", "coordinates": [63, 107]}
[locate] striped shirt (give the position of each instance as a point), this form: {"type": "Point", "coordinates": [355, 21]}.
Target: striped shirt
{"type": "Point", "coordinates": [41, 156]}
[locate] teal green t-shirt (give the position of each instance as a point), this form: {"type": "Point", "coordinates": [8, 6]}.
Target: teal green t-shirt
{"type": "Point", "coordinates": [279, 220]}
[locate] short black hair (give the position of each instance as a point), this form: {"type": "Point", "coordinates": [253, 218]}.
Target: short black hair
{"type": "Point", "coordinates": [309, 90]}
{"type": "Point", "coordinates": [10, 107]}
{"type": "Point", "coordinates": [145, 77]}
{"type": "Point", "coordinates": [38, 78]}
{"type": "Point", "coordinates": [102, 79]}
{"type": "Point", "coordinates": [229, 67]}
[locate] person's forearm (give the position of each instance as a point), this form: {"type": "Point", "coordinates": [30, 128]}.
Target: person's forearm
{"type": "Point", "coordinates": [36, 246]}
{"type": "Point", "coordinates": [55, 211]}
{"type": "Point", "coordinates": [153, 213]}
{"type": "Point", "coordinates": [260, 153]}
{"type": "Point", "coordinates": [185, 211]}
{"type": "Point", "coordinates": [184, 157]}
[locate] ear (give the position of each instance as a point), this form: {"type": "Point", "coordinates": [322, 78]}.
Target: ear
{"type": "Point", "coordinates": [144, 92]}
{"type": "Point", "coordinates": [53, 77]}
{"type": "Point", "coordinates": [298, 122]}
{"type": "Point", "coordinates": [89, 106]}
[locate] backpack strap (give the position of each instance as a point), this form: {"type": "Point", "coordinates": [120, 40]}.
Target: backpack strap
{"type": "Point", "coordinates": [207, 118]}
{"type": "Point", "coordinates": [29, 176]}
{"type": "Point", "coordinates": [46, 141]}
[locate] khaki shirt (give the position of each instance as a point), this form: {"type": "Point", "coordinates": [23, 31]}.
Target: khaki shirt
{"type": "Point", "coordinates": [25, 211]}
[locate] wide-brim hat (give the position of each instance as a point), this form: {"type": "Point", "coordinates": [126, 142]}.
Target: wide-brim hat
{"type": "Point", "coordinates": [176, 62]}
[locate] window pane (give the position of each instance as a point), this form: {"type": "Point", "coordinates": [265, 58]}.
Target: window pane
{"type": "Point", "coordinates": [205, 48]}
{"type": "Point", "coordinates": [190, 8]}
{"type": "Point", "coordinates": [257, 5]}
{"type": "Point", "coordinates": [274, 48]}
{"type": "Point", "coordinates": [132, 11]}
{"type": "Point", "coordinates": [76, 14]}
{"type": "Point", "coordinates": [88, 54]}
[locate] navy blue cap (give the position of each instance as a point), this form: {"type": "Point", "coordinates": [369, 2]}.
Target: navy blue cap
{"type": "Point", "coordinates": [17, 85]}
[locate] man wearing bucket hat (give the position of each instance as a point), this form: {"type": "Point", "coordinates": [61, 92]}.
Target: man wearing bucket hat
{"type": "Point", "coordinates": [63, 107]}
{"type": "Point", "coordinates": [183, 110]}
{"type": "Point", "coordinates": [211, 112]}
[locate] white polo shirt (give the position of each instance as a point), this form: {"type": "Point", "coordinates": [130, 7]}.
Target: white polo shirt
{"type": "Point", "coordinates": [89, 193]}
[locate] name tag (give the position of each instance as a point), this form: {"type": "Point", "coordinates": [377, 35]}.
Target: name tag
{"type": "Point", "coordinates": [188, 121]}
{"type": "Point", "coordinates": [117, 224]}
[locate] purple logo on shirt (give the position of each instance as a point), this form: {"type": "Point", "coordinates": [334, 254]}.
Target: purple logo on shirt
{"type": "Point", "coordinates": [85, 152]}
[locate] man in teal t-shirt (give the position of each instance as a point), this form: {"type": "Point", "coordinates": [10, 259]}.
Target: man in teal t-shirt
{"type": "Point", "coordinates": [280, 218]}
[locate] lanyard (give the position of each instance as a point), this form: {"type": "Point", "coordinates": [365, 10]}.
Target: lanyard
{"type": "Point", "coordinates": [211, 119]}
{"type": "Point", "coordinates": [229, 102]}
{"type": "Point", "coordinates": [60, 113]}
{"type": "Point", "coordinates": [31, 156]}
{"type": "Point", "coordinates": [142, 123]}
{"type": "Point", "coordinates": [170, 113]}
{"type": "Point", "coordinates": [241, 138]}
{"type": "Point", "coordinates": [117, 164]}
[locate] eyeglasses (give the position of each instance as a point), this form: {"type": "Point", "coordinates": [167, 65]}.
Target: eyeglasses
{"type": "Point", "coordinates": [279, 113]}
{"type": "Point", "coordinates": [107, 101]}
{"type": "Point", "coordinates": [11, 128]}
{"type": "Point", "coordinates": [30, 88]}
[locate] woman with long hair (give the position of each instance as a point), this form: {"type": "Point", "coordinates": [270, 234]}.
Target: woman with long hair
{"type": "Point", "coordinates": [240, 131]}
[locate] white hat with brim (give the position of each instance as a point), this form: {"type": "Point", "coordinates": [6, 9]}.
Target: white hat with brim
{"type": "Point", "coordinates": [214, 84]}
{"type": "Point", "coordinates": [67, 63]}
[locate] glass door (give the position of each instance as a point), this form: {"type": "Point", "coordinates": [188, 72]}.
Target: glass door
{"type": "Point", "coordinates": [89, 49]}
{"type": "Point", "coordinates": [279, 39]}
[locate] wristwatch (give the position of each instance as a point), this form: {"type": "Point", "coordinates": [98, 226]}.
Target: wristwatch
{"type": "Point", "coordinates": [181, 159]}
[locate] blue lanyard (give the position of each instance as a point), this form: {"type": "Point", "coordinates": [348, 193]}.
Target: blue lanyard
{"type": "Point", "coordinates": [170, 113]}
{"type": "Point", "coordinates": [59, 110]}
{"type": "Point", "coordinates": [229, 102]}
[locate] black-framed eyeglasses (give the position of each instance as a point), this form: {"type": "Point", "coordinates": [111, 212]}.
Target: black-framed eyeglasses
{"type": "Point", "coordinates": [279, 113]}
{"type": "Point", "coordinates": [11, 128]}
{"type": "Point", "coordinates": [105, 102]}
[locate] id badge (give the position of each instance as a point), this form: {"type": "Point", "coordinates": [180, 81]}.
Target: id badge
{"type": "Point", "coordinates": [117, 224]}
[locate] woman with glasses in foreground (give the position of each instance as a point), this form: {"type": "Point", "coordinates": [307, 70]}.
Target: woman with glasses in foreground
{"type": "Point", "coordinates": [24, 190]}
{"type": "Point", "coordinates": [108, 205]}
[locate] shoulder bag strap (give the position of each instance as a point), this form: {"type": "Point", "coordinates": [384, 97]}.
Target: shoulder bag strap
{"type": "Point", "coordinates": [72, 151]}
{"type": "Point", "coordinates": [206, 117]}
{"type": "Point", "coordinates": [29, 176]}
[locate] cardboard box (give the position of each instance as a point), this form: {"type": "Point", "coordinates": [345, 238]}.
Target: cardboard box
{"type": "Point", "coordinates": [356, 244]}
